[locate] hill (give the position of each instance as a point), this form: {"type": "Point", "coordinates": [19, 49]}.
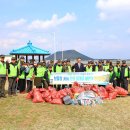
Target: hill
{"type": "Point", "coordinates": [68, 54]}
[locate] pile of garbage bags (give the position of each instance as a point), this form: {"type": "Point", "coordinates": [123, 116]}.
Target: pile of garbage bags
{"type": "Point", "coordinates": [88, 95]}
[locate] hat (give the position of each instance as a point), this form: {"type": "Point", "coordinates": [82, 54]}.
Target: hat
{"type": "Point", "coordinates": [99, 61]}
{"type": "Point", "coordinates": [13, 58]}
{"type": "Point", "coordinates": [40, 63]}
{"type": "Point", "coordinates": [2, 56]}
{"type": "Point", "coordinates": [107, 61]}
{"type": "Point", "coordinates": [68, 60]}
{"type": "Point", "coordinates": [22, 57]}
{"type": "Point", "coordinates": [118, 62]}
{"type": "Point", "coordinates": [124, 62]}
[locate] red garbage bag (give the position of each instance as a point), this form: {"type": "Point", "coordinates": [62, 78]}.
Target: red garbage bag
{"type": "Point", "coordinates": [110, 88]}
{"type": "Point", "coordinates": [48, 99]}
{"type": "Point", "coordinates": [62, 93]}
{"type": "Point", "coordinates": [95, 88]}
{"type": "Point", "coordinates": [45, 94]}
{"type": "Point", "coordinates": [87, 87]}
{"type": "Point", "coordinates": [112, 95]}
{"type": "Point", "coordinates": [51, 88]}
{"type": "Point", "coordinates": [37, 96]}
{"type": "Point", "coordinates": [103, 93]}
{"type": "Point", "coordinates": [54, 94]}
{"type": "Point", "coordinates": [75, 84]}
{"type": "Point", "coordinates": [77, 90]}
{"type": "Point", "coordinates": [30, 95]}
{"type": "Point", "coordinates": [68, 90]}
{"type": "Point", "coordinates": [42, 89]}
{"type": "Point", "coordinates": [57, 101]}
{"type": "Point", "coordinates": [121, 91]}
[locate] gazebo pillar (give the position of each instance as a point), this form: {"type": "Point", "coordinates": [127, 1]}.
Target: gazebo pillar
{"type": "Point", "coordinates": [42, 57]}
{"type": "Point", "coordinates": [33, 57]}
{"type": "Point", "coordinates": [26, 58]}
{"type": "Point", "coordinates": [39, 58]}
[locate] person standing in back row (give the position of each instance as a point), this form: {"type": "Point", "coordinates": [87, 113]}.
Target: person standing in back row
{"type": "Point", "coordinates": [2, 76]}
{"type": "Point", "coordinates": [78, 67]}
{"type": "Point", "coordinates": [124, 75]}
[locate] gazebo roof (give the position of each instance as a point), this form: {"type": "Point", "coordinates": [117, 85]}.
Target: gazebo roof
{"type": "Point", "coordinates": [29, 49]}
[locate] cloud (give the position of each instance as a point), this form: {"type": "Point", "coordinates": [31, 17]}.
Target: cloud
{"type": "Point", "coordinates": [128, 30]}
{"type": "Point", "coordinates": [53, 22]}
{"type": "Point", "coordinates": [19, 35]}
{"type": "Point", "coordinates": [16, 23]}
{"type": "Point", "coordinates": [113, 8]}
{"type": "Point", "coordinates": [7, 43]}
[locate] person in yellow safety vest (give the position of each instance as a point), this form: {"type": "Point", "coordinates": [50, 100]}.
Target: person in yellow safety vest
{"type": "Point", "coordinates": [12, 77]}
{"type": "Point", "coordinates": [106, 67]}
{"type": "Point", "coordinates": [100, 66]}
{"type": "Point", "coordinates": [94, 67]}
{"type": "Point", "coordinates": [22, 78]}
{"type": "Point", "coordinates": [89, 67]}
{"type": "Point", "coordinates": [124, 75]}
{"type": "Point", "coordinates": [58, 67]}
{"type": "Point", "coordinates": [3, 74]}
{"type": "Point", "coordinates": [117, 69]}
{"type": "Point", "coordinates": [112, 78]}
{"type": "Point", "coordinates": [20, 62]}
{"type": "Point", "coordinates": [39, 72]}
{"type": "Point", "coordinates": [30, 77]}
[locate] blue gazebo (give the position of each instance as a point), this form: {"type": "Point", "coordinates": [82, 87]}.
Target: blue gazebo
{"type": "Point", "coordinates": [30, 50]}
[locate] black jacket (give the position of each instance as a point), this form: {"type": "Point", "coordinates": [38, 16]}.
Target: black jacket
{"type": "Point", "coordinates": [77, 69]}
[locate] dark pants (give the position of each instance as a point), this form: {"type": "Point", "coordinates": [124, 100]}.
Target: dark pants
{"type": "Point", "coordinates": [114, 83]}
{"type": "Point", "coordinates": [21, 85]}
{"type": "Point", "coordinates": [2, 86]}
{"type": "Point", "coordinates": [118, 80]}
{"type": "Point", "coordinates": [124, 83]}
{"type": "Point", "coordinates": [45, 84]}
{"type": "Point", "coordinates": [29, 85]}
{"type": "Point", "coordinates": [12, 84]}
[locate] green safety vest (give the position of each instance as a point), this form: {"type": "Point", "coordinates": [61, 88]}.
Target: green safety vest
{"type": "Point", "coordinates": [2, 68]}
{"type": "Point", "coordinates": [127, 72]}
{"type": "Point", "coordinates": [89, 69]}
{"type": "Point", "coordinates": [40, 71]}
{"type": "Point", "coordinates": [106, 68]}
{"type": "Point", "coordinates": [31, 71]}
{"type": "Point", "coordinates": [96, 68]}
{"type": "Point", "coordinates": [58, 68]}
{"type": "Point", "coordinates": [22, 76]}
{"type": "Point", "coordinates": [49, 74]}
{"type": "Point", "coordinates": [13, 70]}
{"type": "Point", "coordinates": [69, 68]}
{"type": "Point", "coordinates": [116, 71]}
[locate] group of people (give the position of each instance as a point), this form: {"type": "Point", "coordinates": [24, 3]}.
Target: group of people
{"type": "Point", "coordinates": [20, 75]}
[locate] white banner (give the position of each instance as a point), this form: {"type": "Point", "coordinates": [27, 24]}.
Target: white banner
{"type": "Point", "coordinates": [101, 78]}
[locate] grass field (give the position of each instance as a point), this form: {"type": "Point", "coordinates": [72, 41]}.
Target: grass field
{"type": "Point", "coordinates": [17, 113]}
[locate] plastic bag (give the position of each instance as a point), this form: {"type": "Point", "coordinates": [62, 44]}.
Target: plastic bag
{"type": "Point", "coordinates": [75, 84]}
{"type": "Point", "coordinates": [121, 91]}
{"type": "Point", "coordinates": [87, 87]}
{"type": "Point", "coordinates": [62, 93]}
{"type": "Point", "coordinates": [45, 94]}
{"type": "Point", "coordinates": [51, 88]}
{"type": "Point", "coordinates": [103, 93]}
{"type": "Point", "coordinates": [95, 88]}
{"type": "Point", "coordinates": [77, 90]}
{"type": "Point", "coordinates": [30, 95]}
{"type": "Point", "coordinates": [48, 99]}
{"type": "Point", "coordinates": [37, 96]}
{"type": "Point", "coordinates": [43, 89]}
{"type": "Point", "coordinates": [57, 101]}
{"type": "Point", "coordinates": [110, 88]}
{"type": "Point", "coordinates": [54, 94]}
{"type": "Point", "coordinates": [112, 95]}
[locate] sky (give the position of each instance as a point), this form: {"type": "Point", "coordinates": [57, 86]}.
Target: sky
{"type": "Point", "coordinates": [96, 28]}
